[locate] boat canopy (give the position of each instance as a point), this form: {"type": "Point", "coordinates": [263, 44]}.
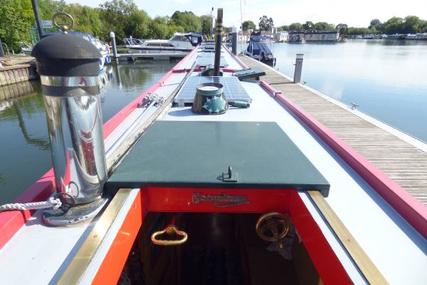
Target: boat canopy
{"type": "Point", "coordinates": [258, 48]}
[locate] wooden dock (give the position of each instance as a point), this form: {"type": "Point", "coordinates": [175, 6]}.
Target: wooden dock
{"type": "Point", "coordinates": [17, 69]}
{"type": "Point", "coordinates": [403, 161]}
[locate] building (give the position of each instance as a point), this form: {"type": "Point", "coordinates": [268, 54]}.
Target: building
{"type": "Point", "coordinates": [281, 37]}
{"type": "Point", "coordinates": [321, 36]}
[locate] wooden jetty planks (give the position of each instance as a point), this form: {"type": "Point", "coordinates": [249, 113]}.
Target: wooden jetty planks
{"type": "Point", "coordinates": [401, 161]}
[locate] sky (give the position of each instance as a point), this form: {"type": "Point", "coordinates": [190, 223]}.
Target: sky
{"type": "Point", "coordinates": [284, 12]}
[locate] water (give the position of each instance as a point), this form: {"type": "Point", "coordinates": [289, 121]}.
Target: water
{"type": "Point", "coordinates": [388, 80]}
{"type": "Point", "coordinates": [24, 142]}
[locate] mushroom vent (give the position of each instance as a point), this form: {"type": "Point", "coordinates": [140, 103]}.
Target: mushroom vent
{"type": "Point", "coordinates": [210, 99]}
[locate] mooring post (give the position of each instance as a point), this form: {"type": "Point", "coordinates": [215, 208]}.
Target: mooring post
{"type": "Point", "coordinates": [234, 42]}
{"type": "Point", "coordinates": [69, 68]}
{"type": "Point", "coordinates": [218, 42]}
{"type": "Point", "coordinates": [37, 18]}
{"type": "Point", "coordinates": [298, 67]}
{"type": "Point", "coordinates": [113, 42]}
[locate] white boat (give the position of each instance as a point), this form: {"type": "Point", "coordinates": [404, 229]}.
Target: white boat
{"type": "Point", "coordinates": [178, 46]}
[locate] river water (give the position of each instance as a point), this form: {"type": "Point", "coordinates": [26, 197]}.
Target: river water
{"type": "Point", "coordinates": [388, 80]}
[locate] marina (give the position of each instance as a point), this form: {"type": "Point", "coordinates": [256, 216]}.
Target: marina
{"type": "Point", "coordinates": [212, 166]}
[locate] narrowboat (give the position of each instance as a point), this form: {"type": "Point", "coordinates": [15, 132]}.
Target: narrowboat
{"type": "Point", "coordinates": [211, 176]}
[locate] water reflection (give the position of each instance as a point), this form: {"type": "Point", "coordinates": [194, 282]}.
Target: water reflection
{"type": "Point", "coordinates": [24, 144]}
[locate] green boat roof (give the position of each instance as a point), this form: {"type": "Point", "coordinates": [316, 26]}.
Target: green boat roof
{"type": "Point", "coordinates": [202, 154]}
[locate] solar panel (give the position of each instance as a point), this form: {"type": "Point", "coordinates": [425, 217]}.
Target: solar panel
{"type": "Point", "coordinates": [233, 89]}
{"type": "Point", "coordinates": [206, 59]}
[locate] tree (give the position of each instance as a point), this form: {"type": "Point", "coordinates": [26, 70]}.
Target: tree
{"type": "Point", "coordinates": [411, 25]}
{"type": "Point", "coordinates": [49, 7]}
{"type": "Point", "coordinates": [159, 28]}
{"type": "Point", "coordinates": [323, 26]}
{"type": "Point", "coordinates": [283, 28]}
{"type": "Point", "coordinates": [187, 20]}
{"type": "Point", "coordinates": [376, 26]}
{"type": "Point", "coordinates": [308, 26]}
{"type": "Point", "coordinates": [138, 24]}
{"type": "Point", "coordinates": [248, 25]}
{"type": "Point", "coordinates": [358, 31]}
{"type": "Point", "coordinates": [295, 27]}
{"type": "Point", "coordinates": [206, 22]}
{"type": "Point", "coordinates": [393, 26]}
{"type": "Point", "coordinates": [115, 15]}
{"type": "Point", "coordinates": [342, 29]}
{"type": "Point", "coordinates": [16, 19]}
{"type": "Point", "coordinates": [423, 27]}
{"type": "Point", "coordinates": [86, 19]}
{"type": "Point", "coordinates": [265, 23]}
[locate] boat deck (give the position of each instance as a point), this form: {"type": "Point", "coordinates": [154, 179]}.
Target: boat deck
{"type": "Point", "coordinates": [400, 157]}
{"type": "Point", "coordinates": [378, 231]}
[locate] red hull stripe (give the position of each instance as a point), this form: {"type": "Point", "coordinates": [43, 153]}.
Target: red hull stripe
{"type": "Point", "coordinates": [12, 221]}
{"type": "Point", "coordinates": [407, 206]}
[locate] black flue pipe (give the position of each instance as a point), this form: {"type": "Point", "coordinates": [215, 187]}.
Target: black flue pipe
{"type": "Point", "coordinates": [218, 41]}
{"type": "Point", "coordinates": [37, 18]}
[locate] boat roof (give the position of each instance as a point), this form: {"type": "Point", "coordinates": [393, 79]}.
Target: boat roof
{"type": "Point", "coordinates": [205, 151]}
{"type": "Point", "coordinates": [393, 245]}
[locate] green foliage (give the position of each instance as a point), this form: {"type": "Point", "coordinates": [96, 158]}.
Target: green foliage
{"type": "Point", "coordinates": [323, 26]}
{"type": "Point", "coordinates": [412, 25]}
{"type": "Point", "coordinates": [89, 19]}
{"type": "Point", "coordinates": [187, 20]}
{"type": "Point", "coordinates": [394, 25]}
{"type": "Point", "coordinates": [116, 15]}
{"type": "Point", "coordinates": [358, 31]}
{"type": "Point", "coordinates": [283, 28]}
{"type": "Point", "coordinates": [295, 27]}
{"type": "Point", "coordinates": [206, 22]}
{"type": "Point", "coordinates": [265, 23]}
{"type": "Point", "coordinates": [248, 25]}
{"type": "Point", "coordinates": [376, 26]}
{"type": "Point", "coordinates": [16, 17]}
{"type": "Point", "coordinates": [48, 8]}
{"type": "Point", "coordinates": [308, 26]}
{"type": "Point", "coordinates": [125, 19]}
{"type": "Point", "coordinates": [342, 28]}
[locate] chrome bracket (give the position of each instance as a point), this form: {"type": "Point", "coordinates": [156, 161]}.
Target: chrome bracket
{"type": "Point", "coordinates": [68, 215]}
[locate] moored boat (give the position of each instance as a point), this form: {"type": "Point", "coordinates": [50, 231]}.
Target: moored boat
{"type": "Point", "coordinates": [222, 185]}
{"type": "Point", "coordinates": [178, 46]}
{"type": "Point", "coordinates": [258, 49]}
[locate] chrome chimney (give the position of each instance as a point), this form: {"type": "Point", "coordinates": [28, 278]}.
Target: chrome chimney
{"type": "Point", "coordinates": [69, 68]}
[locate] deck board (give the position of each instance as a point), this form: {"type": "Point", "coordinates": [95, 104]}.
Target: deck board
{"type": "Point", "coordinates": [401, 161]}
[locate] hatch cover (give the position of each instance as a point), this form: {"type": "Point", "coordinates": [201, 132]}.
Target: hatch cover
{"type": "Point", "coordinates": [217, 154]}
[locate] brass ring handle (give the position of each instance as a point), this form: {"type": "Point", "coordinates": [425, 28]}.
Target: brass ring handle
{"type": "Point", "coordinates": [276, 223]}
{"type": "Point", "coordinates": [169, 230]}
{"type": "Point", "coordinates": [63, 26]}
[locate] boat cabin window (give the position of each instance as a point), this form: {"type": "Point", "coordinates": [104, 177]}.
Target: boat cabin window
{"type": "Point", "coordinates": [154, 44]}
{"type": "Point", "coordinates": [167, 45]}
{"type": "Point", "coordinates": [179, 38]}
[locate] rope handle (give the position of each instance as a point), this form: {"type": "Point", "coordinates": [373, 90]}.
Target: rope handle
{"type": "Point", "coordinates": [52, 202]}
